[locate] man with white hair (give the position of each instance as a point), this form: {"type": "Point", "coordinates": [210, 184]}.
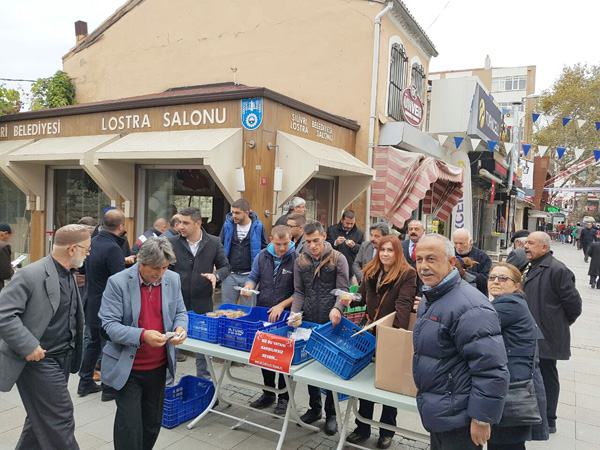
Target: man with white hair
{"type": "Point", "coordinates": [295, 205]}
{"type": "Point", "coordinates": [555, 304]}
{"type": "Point", "coordinates": [463, 244]}
{"type": "Point", "coordinates": [41, 337]}
{"type": "Point", "coordinates": [460, 364]}
{"type": "Point", "coordinates": [518, 257]}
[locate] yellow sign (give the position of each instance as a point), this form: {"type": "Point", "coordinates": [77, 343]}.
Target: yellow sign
{"type": "Point", "coordinates": [481, 113]}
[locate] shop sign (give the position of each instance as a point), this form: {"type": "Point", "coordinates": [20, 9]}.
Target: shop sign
{"type": "Point", "coordinates": [553, 209]}
{"type": "Point", "coordinates": [485, 117]}
{"type": "Point", "coordinates": [462, 214]}
{"type": "Point", "coordinates": [412, 106]}
{"type": "Point", "coordinates": [272, 352]}
{"type": "Point", "coordinates": [304, 125]}
{"type": "Point", "coordinates": [493, 193]}
{"type": "Point", "coordinates": [252, 112]}
{"type": "Point", "coordinates": [500, 170]}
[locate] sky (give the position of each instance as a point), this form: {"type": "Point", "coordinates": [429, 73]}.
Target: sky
{"type": "Point", "coordinates": [546, 33]}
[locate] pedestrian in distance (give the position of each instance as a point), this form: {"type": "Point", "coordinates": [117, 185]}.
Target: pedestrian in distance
{"type": "Point", "coordinates": [139, 306]}
{"type": "Point", "coordinates": [160, 226]}
{"type": "Point", "coordinates": [368, 249]}
{"type": "Point", "coordinates": [593, 252]}
{"type": "Point", "coordinates": [578, 231]}
{"type": "Point", "coordinates": [6, 268]}
{"type": "Point", "coordinates": [273, 274]}
{"type": "Point", "coordinates": [520, 334]}
{"type": "Point", "coordinates": [555, 304]}
{"type": "Point", "coordinates": [460, 360]}
{"type": "Point", "coordinates": [588, 235]}
{"type": "Point", "coordinates": [388, 287]}
{"type": "Point", "coordinates": [317, 272]}
{"type": "Point", "coordinates": [346, 237]}
{"type": "Point", "coordinates": [295, 205]}
{"type": "Point", "coordinates": [173, 230]}
{"type": "Point", "coordinates": [463, 244]}
{"type": "Point", "coordinates": [41, 337]}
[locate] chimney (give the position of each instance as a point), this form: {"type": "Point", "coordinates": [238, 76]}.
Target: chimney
{"type": "Point", "coordinates": [488, 62]}
{"type": "Point", "coordinates": [80, 30]}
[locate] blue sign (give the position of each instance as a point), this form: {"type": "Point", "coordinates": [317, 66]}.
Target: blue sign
{"type": "Point", "coordinates": [486, 117]}
{"type": "Point", "coordinates": [252, 112]}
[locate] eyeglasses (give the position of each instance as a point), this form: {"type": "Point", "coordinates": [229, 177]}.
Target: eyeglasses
{"type": "Point", "coordinates": [500, 278]}
{"type": "Point", "coordinates": [293, 226]}
{"type": "Point", "coordinates": [87, 249]}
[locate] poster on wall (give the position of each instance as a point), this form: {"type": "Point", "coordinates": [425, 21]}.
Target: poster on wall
{"type": "Point", "coordinates": [462, 214]}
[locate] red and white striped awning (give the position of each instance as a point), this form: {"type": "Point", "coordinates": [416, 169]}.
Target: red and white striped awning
{"type": "Point", "coordinates": [404, 178]}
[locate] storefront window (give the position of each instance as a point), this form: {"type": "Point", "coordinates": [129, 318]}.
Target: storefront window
{"type": "Point", "coordinates": [318, 194]}
{"type": "Point", "coordinates": [12, 211]}
{"type": "Point", "coordinates": [171, 190]}
{"type": "Point", "coordinates": [76, 195]}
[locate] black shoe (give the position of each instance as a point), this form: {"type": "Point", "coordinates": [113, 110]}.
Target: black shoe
{"type": "Point", "coordinates": [85, 389]}
{"type": "Point", "coordinates": [263, 401]}
{"type": "Point", "coordinates": [356, 438]}
{"type": "Point", "coordinates": [311, 416]}
{"type": "Point", "coordinates": [281, 408]}
{"type": "Point", "coordinates": [108, 394]}
{"type": "Point", "coordinates": [330, 425]}
{"type": "Point", "coordinates": [384, 442]}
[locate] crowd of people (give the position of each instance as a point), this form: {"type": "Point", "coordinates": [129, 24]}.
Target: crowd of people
{"type": "Point", "coordinates": [482, 331]}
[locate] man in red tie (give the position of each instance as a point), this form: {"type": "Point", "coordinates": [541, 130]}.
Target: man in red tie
{"type": "Point", "coordinates": [416, 230]}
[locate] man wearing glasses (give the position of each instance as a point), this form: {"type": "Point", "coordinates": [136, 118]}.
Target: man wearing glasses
{"type": "Point", "coordinates": [41, 335]}
{"type": "Point", "coordinates": [296, 222]}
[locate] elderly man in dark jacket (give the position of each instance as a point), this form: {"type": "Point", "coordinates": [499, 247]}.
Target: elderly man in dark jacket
{"type": "Point", "coordinates": [518, 257]}
{"type": "Point", "coordinates": [463, 244]}
{"type": "Point", "coordinates": [460, 363]}
{"type": "Point", "coordinates": [555, 304]}
{"type": "Point", "coordinates": [588, 235]}
{"type": "Point", "coordinates": [593, 252]}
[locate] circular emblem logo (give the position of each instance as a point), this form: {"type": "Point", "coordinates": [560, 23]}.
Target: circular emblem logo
{"type": "Point", "coordinates": [251, 120]}
{"type": "Point", "coordinates": [481, 113]}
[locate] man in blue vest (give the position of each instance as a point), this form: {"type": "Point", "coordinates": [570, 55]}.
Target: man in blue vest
{"type": "Point", "coordinates": [243, 237]}
{"type": "Point", "coordinates": [273, 274]}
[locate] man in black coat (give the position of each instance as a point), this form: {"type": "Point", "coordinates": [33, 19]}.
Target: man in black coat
{"type": "Point", "coordinates": [6, 269]}
{"type": "Point", "coordinates": [555, 304]}
{"type": "Point", "coordinates": [594, 271]}
{"type": "Point", "coordinates": [518, 257]}
{"type": "Point", "coordinates": [105, 259]}
{"type": "Point", "coordinates": [415, 231]}
{"type": "Point", "coordinates": [463, 244]}
{"type": "Point", "coordinates": [588, 235]}
{"type": "Point", "coordinates": [346, 237]}
{"type": "Point", "coordinates": [197, 253]}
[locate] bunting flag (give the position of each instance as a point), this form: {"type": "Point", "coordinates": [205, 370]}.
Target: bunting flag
{"type": "Point", "coordinates": [535, 117]}
{"type": "Point", "coordinates": [578, 152]}
{"type": "Point", "coordinates": [581, 122]}
{"type": "Point", "coordinates": [442, 139]}
{"type": "Point", "coordinates": [597, 153]}
{"type": "Point", "coordinates": [561, 151]}
{"type": "Point", "coordinates": [597, 126]}
{"type": "Point", "coordinates": [542, 149]}
{"type": "Point", "coordinates": [509, 146]}
{"type": "Point", "coordinates": [492, 145]}
{"type": "Point", "coordinates": [475, 143]}
{"type": "Point", "coordinates": [566, 120]}
{"type": "Point", "coordinates": [505, 111]}
{"type": "Point", "coordinates": [526, 148]}
{"type": "Point", "coordinates": [550, 118]}
{"type": "Point", "coordinates": [458, 141]}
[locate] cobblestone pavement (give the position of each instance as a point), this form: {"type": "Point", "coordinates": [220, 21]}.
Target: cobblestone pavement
{"type": "Point", "coordinates": [578, 409]}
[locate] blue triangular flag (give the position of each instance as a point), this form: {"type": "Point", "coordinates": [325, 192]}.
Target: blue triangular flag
{"type": "Point", "coordinates": [560, 151]}
{"type": "Point", "coordinates": [566, 120]}
{"type": "Point", "coordinates": [597, 153]}
{"type": "Point", "coordinates": [597, 126]}
{"type": "Point", "coordinates": [458, 141]}
{"type": "Point", "coordinates": [535, 117]}
{"type": "Point", "coordinates": [492, 145]}
{"type": "Point", "coordinates": [526, 148]}
{"type": "Point", "coordinates": [505, 111]}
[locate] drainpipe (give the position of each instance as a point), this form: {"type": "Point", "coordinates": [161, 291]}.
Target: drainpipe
{"type": "Point", "coordinates": [372, 117]}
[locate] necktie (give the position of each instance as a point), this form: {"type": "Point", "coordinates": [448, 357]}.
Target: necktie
{"type": "Point", "coordinates": [525, 272]}
{"type": "Point", "coordinates": [413, 255]}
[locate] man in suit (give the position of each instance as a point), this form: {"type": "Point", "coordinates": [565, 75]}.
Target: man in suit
{"type": "Point", "coordinates": [6, 269]}
{"type": "Point", "coordinates": [518, 257]}
{"type": "Point", "coordinates": [139, 306]}
{"type": "Point", "coordinates": [367, 250]}
{"type": "Point", "coordinates": [415, 230]}
{"type": "Point", "coordinates": [41, 340]}
{"type": "Point", "coordinates": [201, 263]}
{"type": "Point", "coordinates": [463, 245]}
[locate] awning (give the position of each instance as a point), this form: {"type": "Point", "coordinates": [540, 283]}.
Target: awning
{"type": "Point", "coordinates": [405, 178]}
{"type": "Point", "coordinates": [29, 162]}
{"type": "Point", "coordinates": [302, 159]}
{"type": "Point", "coordinates": [219, 150]}
{"type": "Point", "coordinates": [6, 147]}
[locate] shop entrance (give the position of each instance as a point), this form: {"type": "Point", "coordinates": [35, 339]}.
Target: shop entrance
{"type": "Point", "coordinates": [168, 190]}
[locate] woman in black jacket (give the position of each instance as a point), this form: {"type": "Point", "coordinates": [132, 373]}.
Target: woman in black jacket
{"type": "Point", "coordinates": [520, 334]}
{"type": "Point", "coordinates": [388, 286]}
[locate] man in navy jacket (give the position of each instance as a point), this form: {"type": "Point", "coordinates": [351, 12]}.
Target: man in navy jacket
{"type": "Point", "coordinates": [273, 273]}
{"type": "Point", "coordinates": [460, 363]}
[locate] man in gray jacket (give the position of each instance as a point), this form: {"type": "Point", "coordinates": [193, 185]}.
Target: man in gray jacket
{"type": "Point", "coordinates": [367, 250]}
{"type": "Point", "coordinates": [41, 339]}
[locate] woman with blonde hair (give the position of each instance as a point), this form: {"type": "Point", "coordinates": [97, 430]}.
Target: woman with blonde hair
{"type": "Point", "coordinates": [520, 334]}
{"type": "Point", "coordinates": [388, 286]}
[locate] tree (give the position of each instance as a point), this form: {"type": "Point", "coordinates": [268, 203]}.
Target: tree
{"type": "Point", "coordinates": [10, 101]}
{"type": "Point", "coordinates": [52, 92]}
{"type": "Point", "coordinates": [576, 95]}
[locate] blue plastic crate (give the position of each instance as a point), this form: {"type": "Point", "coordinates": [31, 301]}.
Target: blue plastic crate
{"type": "Point", "coordinates": [239, 333]}
{"type": "Point", "coordinates": [186, 400]}
{"type": "Point", "coordinates": [207, 328]}
{"type": "Point", "coordinates": [300, 353]}
{"type": "Point", "coordinates": [341, 397]}
{"type": "Point", "coordinates": [338, 351]}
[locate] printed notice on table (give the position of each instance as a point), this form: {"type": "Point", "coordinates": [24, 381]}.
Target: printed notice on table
{"type": "Point", "coordinates": [272, 352]}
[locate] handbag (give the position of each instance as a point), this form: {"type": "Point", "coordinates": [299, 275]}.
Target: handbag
{"type": "Point", "coordinates": [521, 405]}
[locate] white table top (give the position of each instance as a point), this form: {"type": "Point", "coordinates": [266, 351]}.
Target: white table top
{"type": "Point", "coordinates": [361, 386]}
{"type": "Point", "coordinates": [231, 354]}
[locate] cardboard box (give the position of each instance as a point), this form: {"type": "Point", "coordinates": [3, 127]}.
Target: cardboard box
{"type": "Point", "coordinates": [394, 357]}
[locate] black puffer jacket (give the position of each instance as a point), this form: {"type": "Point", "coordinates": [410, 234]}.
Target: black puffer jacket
{"type": "Point", "coordinates": [459, 365]}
